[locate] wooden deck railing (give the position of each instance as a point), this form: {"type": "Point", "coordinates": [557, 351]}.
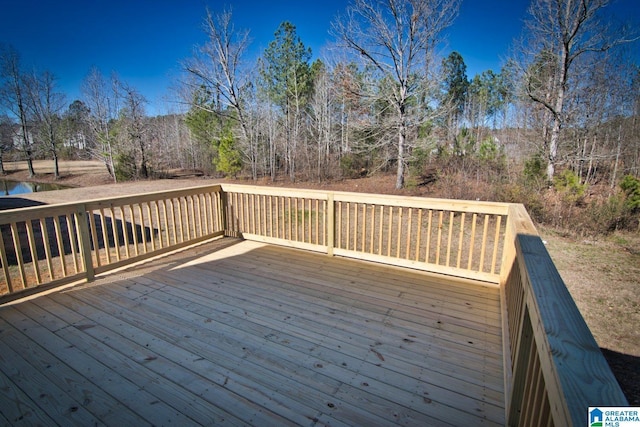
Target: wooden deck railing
{"type": "Point", "coordinates": [48, 246]}
{"type": "Point", "coordinates": [553, 367]}
{"type": "Point", "coordinates": [461, 238]}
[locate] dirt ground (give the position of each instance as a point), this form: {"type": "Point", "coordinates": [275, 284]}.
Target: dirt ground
{"type": "Point", "coordinates": [602, 275]}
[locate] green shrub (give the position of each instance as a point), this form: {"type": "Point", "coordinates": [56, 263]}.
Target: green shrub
{"type": "Point", "coordinates": [568, 184]}
{"type": "Point", "coordinates": [534, 171]}
{"type": "Point", "coordinates": [606, 216]}
{"type": "Point", "coordinates": [354, 165]}
{"type": "Point", "coordinates": [229, 160]}
{"type": "Point", "coordinates": [525, 194]}
{"type": "Point", "coordinates": [125, 167]}
{"type": "Point", "coordinates": [631, 187]}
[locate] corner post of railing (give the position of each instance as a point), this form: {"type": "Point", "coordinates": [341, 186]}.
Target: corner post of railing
{"type": "Point", "coordinates": [85, 240]}
{"type": "Point", "coordinates": [331, 223]}
{"type": "Point", "coordinates": [509, 246]}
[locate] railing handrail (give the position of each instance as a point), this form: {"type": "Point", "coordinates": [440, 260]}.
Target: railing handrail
{"type": "Point", "coordinates": [550, 333]}
{"type": "Point", "coordinates": [434, 203]}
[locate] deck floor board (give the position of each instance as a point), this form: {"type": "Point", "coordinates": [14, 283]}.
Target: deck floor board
{"type": "Point", "coordinates": [243, 333]}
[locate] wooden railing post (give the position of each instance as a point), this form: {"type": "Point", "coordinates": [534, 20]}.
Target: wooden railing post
{"type": "Point", "coordinates": [331, 223]}
{"type": "Point", "coordinates": [84, 241]}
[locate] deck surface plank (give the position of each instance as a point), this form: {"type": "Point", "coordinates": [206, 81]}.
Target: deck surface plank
{"type": "Point", "coordinates": [244, 333]}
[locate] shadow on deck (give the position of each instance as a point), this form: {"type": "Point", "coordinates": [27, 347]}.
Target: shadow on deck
{"type": "Point", "coordinates": [246, 333]}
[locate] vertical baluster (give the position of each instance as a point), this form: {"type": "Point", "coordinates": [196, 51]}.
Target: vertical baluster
{"type": "Point", "coordinates": [193, 225]}
{"type": "Point", "coordinates": [242, 208]}
{"type": "Point", "coordinates": [264, 216]}
{"type": "Point", "coordinates": [143, 228]}
{"type": "Point", "coordinates": [47, 248]}
{"type": "Point", "coordinates": [472, 240]}
{"type": "Point", "coordinates": [310, 221]}
{"type": "Point", "coordinates": [270, 198]}
{"type": "Point", "coordinates": [380, 228]}
{"type": "Point", "coordinates": [105, 236]}
{"type": "Point", "coordinates": [496, 242]}
{"type": "Point", "coordinates": [339, 230]}
{"type": "Point", "coordinates": [483, 249]}
{"type": "Point", "coordinates": [389, 230]}
{"type": "Point", "coordinates": [198, 213]}
{"type": "Point", "coordinates": [174, 226]}
{"type": "Point", "coordinates": [347, 225]}
{"type": "Point", "coordinates": [72, 243]}
{"type": "Point", "coordinates": [279, 214]}
{"type": "Point", "coordinates": [220, 225]}
{"type": "Point", "coordinates": [115, 232]}
{"type": "Point", "coordinates": [63, 263]}
{"type": "Point", "coordinates": [125, 234]}
{"type": "Point", "coordinates": [399, 239]}
{"type": "Point", "coordinates": [5, 264]}
{"type": "Point", "coordinates": [418, 234]}
{"type": "Point", "coordinates": [325, 222]}
{"type": "Point", "coordinates": [429, 228]}
{"type": "Point", "coordinates": [255, 214]}
{"type": "Point", "coordinates": [317, 210]}
{"type": "Point", "coordinates": [16, 245]}
{"type": "Point", "coordinates": [181, 220]}
{"type": "Point", "coordinates": [355, 227]}
{"type": "Point", "coordinates": [364, 226]}
{"type": "Point", "coordinates": [439, 242]}
{"type": "Point", "coordinates": [206, 202]}
{"type": "Point", "coordinates": [290, 236]}
{"type": "Point", "coordinates": [409, 237]}
{"type": "Point", "coordinates": [299, 218]}
{"type": "Point", "coordinates": [372, 229]}
{"type": "Point", "coordinates": [94, 236]}
{"type": "Point", "coordinates": [450, 237]}
{"type": "Point", "coordinates": [156, 204]}
{"type": "Point", "coordinates": [34, 252]}
{"type": "Point", "coordinates": [460, 240]}
{"type": "Point", "coordinates": [152, 227]}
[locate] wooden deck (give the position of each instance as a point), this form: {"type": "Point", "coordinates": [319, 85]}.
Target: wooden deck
{"type": "Point", "coordinates": [244, 333]}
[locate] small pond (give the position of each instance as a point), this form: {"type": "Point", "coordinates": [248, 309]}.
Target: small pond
{"type": "Point", "coordinates": [9, 188]}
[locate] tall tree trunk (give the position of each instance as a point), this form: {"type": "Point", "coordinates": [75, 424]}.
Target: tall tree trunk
{"type": "Point", "coordinates": [56, 166]}
{"type": "Point", "coordinates": [614, 176]}
{"type": "Point", "coordinates": [401, 149]}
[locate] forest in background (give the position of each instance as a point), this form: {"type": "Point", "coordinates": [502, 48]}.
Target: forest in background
{"type": "Point", "coordinates": [556, 128]}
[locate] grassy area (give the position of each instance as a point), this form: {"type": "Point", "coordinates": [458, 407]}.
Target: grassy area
{"type": "Point", "coordinates": [603, 277]}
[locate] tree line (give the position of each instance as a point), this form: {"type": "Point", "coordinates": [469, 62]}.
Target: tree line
{"type": "Point", "coordinates": [562, 111]}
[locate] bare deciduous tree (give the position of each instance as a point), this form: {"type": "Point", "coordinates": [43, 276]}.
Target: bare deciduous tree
{"type": "Point", "coordinates": [6, 139]}
{"type": "Point", "coordinates": [218, 67]}
{"type": "Point", "coordinates": [134, 124]}
{"type": "Point", "coordinates": [397, 38]}
{"type": "Point", "coordinates": [101, 96]}
{"type": "Point", "coordinates": [13, 95]}
{"type": "Point", "coordinates": [560, 36]}
{"type": "Point", "coordinates": [46, 104]}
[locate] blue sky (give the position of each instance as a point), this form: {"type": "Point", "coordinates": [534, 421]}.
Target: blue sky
{"type": "Point", "coordinates": [144, 40]}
